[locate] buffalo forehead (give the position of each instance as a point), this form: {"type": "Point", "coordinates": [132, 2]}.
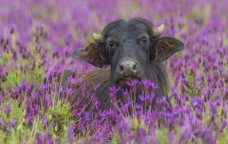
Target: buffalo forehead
{"type": "Point", "coordinates": [122, 33]}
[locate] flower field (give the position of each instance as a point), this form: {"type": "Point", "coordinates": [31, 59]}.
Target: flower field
{"type": "Point", "coordinates": [37, 42]}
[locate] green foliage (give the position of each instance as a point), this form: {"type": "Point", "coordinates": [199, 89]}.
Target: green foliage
{"type": "Point", "coordinates": [24, 72]}
{"type": "Point", "coordinates": [61, 116]}
{"type": "Point", "coordinates": [32, 69]}
{"type": "Point", "coordinates": [134, 123]}
{"type": "Point", "coordinates": [36, 74]}
{"type": "Point", "coordinates": [21, 132]}
{"type": "Point", "coordinates": [85, 136]}
{"type": "Point", "coordinates": [115, 139]}
{"type": "Point", "coordinates": [13, 78]}
{"type": "Point", "coordinates": [203, 13]}
{"type": "Point", "coordinates": [3, 136]}
{"type": "Point", "coordinates": [161, 136]}
{"type": "Point", "coordinates": [6, 56]}
{"type": "Point", "coordinates": [222, 138]}
{"type": "Point", "coordinates": [16, 113]}
{"type": "Point", "coordinates": [225, 41]}
{"type": "Point", "coordinates": [190, 87]}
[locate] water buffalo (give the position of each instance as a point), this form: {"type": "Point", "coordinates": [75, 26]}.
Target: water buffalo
{"type": "Point", "coordinates": [132, 49]}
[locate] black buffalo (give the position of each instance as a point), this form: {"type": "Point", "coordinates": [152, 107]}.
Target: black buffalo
{"type": "Point", "coordinates": [133, 49]}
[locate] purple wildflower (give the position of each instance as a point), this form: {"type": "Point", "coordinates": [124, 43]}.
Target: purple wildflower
{"type": "Point", "coordinates": [113, 91]}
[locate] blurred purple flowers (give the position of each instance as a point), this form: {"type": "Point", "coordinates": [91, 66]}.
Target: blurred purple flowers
{"type": "Point", "coordinates": [37, 40]}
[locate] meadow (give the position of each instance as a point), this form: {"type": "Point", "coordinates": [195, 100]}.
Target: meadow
{"type": "Point", "coordinates": [37, 42]}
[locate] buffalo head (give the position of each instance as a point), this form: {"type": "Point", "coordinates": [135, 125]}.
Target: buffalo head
{"type": "Point", "coordinates": [130, 48]}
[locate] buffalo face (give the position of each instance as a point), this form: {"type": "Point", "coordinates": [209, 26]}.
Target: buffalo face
{"type": "Point", "coordinates": [130, 47]}
{"type": "Point", "coordinates": [127, 49]}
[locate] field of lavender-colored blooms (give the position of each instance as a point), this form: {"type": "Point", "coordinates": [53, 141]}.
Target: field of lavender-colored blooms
{"type": "Point", "coordinates": [38, 37]}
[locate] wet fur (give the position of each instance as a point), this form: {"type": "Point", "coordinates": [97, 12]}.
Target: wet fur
{"type": "Point", "coordinates": [160, 49]}
{"type": "Point", "coordinates": [102, 76]}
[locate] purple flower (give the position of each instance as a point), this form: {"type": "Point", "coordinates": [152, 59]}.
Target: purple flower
{"type": "Point", "coordinates": [45, 120]}
{"type": "Point", "coordinates": [223, 125]}
{"type": "Point", "coordinates": [69, 91]}
{"type": "Point", "coordinates": [34, 95]}
{"type": "Point", "coordinates": [145, 83]}
{"type": "Point", "coordinates": [142, 98]}
{"type": "Point", "coordinates": [26, 86]}
{"type": "Point", "coordinates": [126, 92]}
{"type": "Point", "coordinates": [47, 99]}
{"type": "Point", "coordinates": [113, 91]}
{"type": "Point", "coordinates": [42, 87]}
{"type": "Point", "coordinates": [34, 46]}
{"type": "Point", "coordinates": [70, 131]}
{"type": "Point", "coordinates": [161, 100]}
{"type": "Point", "coordinates": [132, 83]}
{"type": "Point", "coordinates": [67, 52]}
{"type": "Point", "coordinates": [150, 97]}
{"type": "Point", "coordinates": [8, 109]}
{"type": "Point", "coordinates": [195, 101]}
{"type": "Point", "coordinates": [96, 86]}
{"type": "Point", "coordinates": [13, 122]}
{"type": "Point", "coordinates": [141, 136]}
{"type": "Point", "coordinates": [15, 90]}
{"type": "Point", "coordinates": [154, 86]}
{"type": "Point", "coordinates": [80, 141]}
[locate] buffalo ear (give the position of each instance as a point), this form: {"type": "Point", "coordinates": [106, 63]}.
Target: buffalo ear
{"type": "Point", "coordinates": [92, 54]}
{"type": "Point", "coordinates": [165, 47]}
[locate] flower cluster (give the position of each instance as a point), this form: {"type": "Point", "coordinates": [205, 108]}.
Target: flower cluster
{"type": "Point", "coordinates": [37, 43]}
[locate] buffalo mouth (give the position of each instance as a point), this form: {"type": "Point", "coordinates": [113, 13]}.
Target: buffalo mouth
{"type": "Point", "coordinates": [124, 80]}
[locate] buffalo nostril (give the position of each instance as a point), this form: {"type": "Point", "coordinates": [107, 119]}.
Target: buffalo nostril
{"type": "Point", "coordinates": [128, 67]}
{"type": "Point", "coordinates": [121, 67]}
{"type": "Point", "coordinates": [134, 66]}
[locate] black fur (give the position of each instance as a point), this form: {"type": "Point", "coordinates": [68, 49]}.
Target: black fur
{"type": "Point", "coordinates": [127, 39]}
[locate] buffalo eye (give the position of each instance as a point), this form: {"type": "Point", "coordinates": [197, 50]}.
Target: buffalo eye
{"type": "Point", "coordinates": [112, 44]}
{"type": "Point", "coordinates": [143, 40]}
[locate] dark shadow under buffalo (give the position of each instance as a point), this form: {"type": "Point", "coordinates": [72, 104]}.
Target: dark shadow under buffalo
{"type": "Point", "coordinates": [131, 49]}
